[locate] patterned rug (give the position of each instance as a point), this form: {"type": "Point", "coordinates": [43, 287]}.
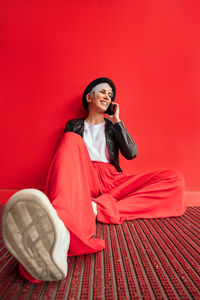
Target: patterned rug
{"type": "Point", "coordinates": [143, 259]}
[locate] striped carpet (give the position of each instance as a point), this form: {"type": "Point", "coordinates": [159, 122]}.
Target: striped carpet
{"type": "Point", "coordinates": [143, 259]}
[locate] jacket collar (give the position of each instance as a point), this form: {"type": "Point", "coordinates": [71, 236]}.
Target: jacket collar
{"type": "Point", "coordinates": [80, 125]}
{"type": "Point", "coordinates": [81, 122]}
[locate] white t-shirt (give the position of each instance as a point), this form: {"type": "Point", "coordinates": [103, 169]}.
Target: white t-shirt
{"type": "Point", "coordinates": [95, 140]}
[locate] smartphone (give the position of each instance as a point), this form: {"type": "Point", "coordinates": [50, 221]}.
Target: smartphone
{"type": "Point", "coordinates": [111, 109]}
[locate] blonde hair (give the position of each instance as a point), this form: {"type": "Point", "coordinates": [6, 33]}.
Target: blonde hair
{"type": "Point", "coordinates": [97, 88]}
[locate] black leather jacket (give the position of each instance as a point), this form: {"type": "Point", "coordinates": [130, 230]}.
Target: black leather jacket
{"type": "Point", "coordinates": [117, 138]}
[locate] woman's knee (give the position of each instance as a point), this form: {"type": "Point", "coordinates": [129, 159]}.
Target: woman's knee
{"type": "Point", "coordinates": [175, 176]}
{"type": "Point", "coordinates": [180, 179]}
{"type": "Point", "coordinates": [72, 138]}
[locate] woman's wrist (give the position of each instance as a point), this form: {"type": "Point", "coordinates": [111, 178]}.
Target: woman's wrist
{"type": "Point", "coordinates": [115, 121]}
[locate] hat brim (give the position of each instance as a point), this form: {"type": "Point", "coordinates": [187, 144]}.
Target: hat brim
{"type": "Point", "coordinates": [93, 84]}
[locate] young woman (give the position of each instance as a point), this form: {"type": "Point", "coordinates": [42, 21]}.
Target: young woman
{"type": "Point", "coordinates": [85, 183]}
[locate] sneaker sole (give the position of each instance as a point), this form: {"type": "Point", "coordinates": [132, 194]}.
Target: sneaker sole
{"type": "Point", "coordinates": [30, 234]}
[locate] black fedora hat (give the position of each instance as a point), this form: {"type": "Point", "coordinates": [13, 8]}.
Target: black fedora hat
{"type": "Point", "coordinates": [93, 84]}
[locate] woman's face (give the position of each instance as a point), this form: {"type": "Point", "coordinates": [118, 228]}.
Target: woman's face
{"type": "Point", "coordinates": [100, 99]}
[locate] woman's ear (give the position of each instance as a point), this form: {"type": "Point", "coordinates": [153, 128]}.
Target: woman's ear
{"type": "Point", "coordinates": [88, 98]}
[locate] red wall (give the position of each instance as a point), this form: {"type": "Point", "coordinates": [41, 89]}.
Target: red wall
{"type": "Point", "coordinates": [50, 51]}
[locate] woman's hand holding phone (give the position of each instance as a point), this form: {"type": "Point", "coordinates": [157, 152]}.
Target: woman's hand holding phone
{"type": "Point", "coordinates": [115, 117]}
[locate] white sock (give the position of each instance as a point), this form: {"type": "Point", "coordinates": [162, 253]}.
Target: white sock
{"type": "Point", "coordinates": [94, 206]}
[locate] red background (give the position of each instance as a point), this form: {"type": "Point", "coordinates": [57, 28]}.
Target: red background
{"type": "Point", "coordinates": [49, 52]}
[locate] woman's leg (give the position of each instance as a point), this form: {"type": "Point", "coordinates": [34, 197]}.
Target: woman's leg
{"type": "Point", "coordinates": [71, 182]}
{"type": "Point", "coordinates": [149, 195]}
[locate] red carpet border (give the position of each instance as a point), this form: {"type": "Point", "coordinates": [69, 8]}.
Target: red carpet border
{"type": "Point", "coordinates": [143, 259]}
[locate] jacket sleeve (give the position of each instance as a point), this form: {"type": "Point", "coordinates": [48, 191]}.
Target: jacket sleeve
{"type": "Point", "coordinates": [69, 126]}
{"type": "Point", "coordinates": [126, 143]}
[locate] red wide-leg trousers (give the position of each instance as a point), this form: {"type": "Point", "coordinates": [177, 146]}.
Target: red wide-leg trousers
{"type": "Point", "coordinates": [74, 181]}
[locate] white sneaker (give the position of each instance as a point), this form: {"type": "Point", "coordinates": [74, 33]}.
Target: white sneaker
{"type": "Point", "coordinates": [34, 234]}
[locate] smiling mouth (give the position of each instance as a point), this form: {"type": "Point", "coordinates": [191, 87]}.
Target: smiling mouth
{"type": "Point", "coordinates": [104, 103]}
